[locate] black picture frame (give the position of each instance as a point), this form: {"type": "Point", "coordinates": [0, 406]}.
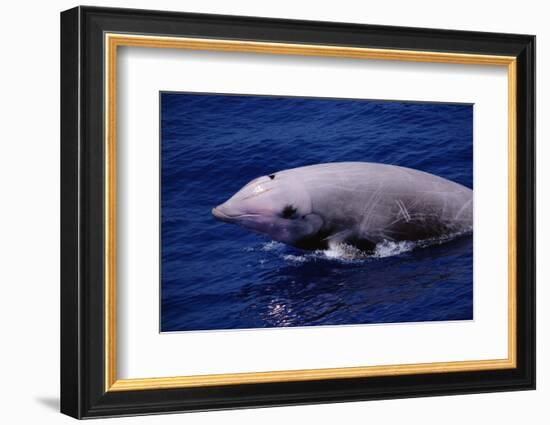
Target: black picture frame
{"type": "Point", "coordinates": [83, 392]}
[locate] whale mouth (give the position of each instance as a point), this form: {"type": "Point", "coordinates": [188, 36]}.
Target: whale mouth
{"type": "Point", "coordinates": [222, 216]}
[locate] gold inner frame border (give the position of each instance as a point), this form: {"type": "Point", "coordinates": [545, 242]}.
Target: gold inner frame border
{"type": "Point", "coordinates": [111, 43]}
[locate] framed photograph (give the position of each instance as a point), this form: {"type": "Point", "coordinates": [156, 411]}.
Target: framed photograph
{"type": "Point", "coordinates": [261, 212]}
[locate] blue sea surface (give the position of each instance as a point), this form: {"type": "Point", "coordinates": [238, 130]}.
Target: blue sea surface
{"type": "Point", "coordinates": [216, 275]}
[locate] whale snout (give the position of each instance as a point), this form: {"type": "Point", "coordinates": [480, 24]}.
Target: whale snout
{"type": "Point", "coordinates": [230, 211]}
{"type": "Point", "coordinates": [219, 213]}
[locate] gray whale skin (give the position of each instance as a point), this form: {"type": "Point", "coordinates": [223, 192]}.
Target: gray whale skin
{"type": "Point", "coordinates": [357, 203]}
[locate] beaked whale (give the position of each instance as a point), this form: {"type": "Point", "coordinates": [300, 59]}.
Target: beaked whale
{"type": "Point", "coordinates": [356, 203]}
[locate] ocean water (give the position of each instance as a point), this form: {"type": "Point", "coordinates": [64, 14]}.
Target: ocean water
{"type": "Point", "coordinates": [215, 275]}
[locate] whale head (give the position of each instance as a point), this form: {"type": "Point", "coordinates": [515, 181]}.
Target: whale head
{"type": "Point", "coordinates": [275, 205]}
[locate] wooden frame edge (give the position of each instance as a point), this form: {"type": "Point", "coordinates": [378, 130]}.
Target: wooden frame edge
{"type": "Point", "coordinates": [136, 384]}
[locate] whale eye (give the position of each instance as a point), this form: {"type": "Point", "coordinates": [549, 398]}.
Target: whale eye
{"type": "Point", "coordinates": [271, 176]}
{"type": "Point", "coordinates": [288, 211]}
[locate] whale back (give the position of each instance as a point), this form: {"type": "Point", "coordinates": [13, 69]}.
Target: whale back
{"type": "Point", "coordinates": [372, 202]}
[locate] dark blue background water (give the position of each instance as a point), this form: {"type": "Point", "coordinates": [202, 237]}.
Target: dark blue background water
{"type": "Point", "coordinates": [216, 275]}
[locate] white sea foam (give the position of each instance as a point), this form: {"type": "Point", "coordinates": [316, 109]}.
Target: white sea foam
{"type": "Point", "coordinates": [343, 251]}
{"type": "Point", "coordinates": [273, 246]}
{"type": "Point", "coordinates": [295, 258]}
{"type": "Point", "coordinates": [389, 249]}
{"type": "Point", "coordinates": [347, 253]}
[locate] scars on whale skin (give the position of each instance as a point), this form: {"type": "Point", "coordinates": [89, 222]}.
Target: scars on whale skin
{"type": "Point", "coordinates": [357, 203]}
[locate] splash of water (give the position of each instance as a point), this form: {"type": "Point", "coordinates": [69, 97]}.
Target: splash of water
{"type": "Point", "coordinates": [272, 246]}
{"type": "Point", "coordinates": [295, 258]}
{"type": "Point", "coordinates": [347, 253]}
{"type": "Point", "coordinates": [343, 252]}
{"type": "Point", "coordinates": [389, 248]}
